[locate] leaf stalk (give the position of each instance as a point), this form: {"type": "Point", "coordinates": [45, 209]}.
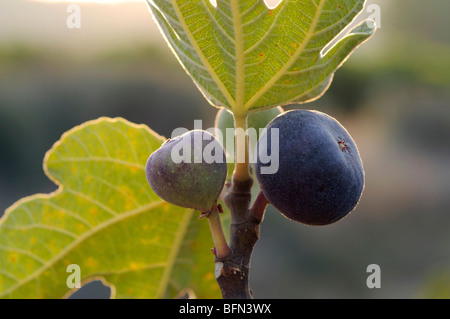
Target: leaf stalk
{"type": "Point", "coordinates": [242, 169]}
{"type": "Point", "coordinates": [220, 243]}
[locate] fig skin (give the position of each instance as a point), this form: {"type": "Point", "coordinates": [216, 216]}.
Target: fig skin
{"type": "Point", "coordinates": [320, 177]}
{"type": "Point", "coordinates": [188, 184]}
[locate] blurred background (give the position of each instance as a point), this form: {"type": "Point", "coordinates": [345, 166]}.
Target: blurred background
{"type": "Point", "coordinates": [392, 95]}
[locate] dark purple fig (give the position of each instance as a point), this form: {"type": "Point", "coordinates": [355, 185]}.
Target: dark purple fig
{"type": "Point", "coordinates": [320, 175]}
{"type": "Point", "coordinates": [188, 170]}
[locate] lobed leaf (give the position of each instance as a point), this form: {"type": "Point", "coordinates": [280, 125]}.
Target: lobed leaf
{"type": "Point", "coordinates": [105, 218]}
{"type": "Point", "coordinates": [243, 55]}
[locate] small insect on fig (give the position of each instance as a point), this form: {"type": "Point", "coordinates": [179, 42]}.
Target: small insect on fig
{"type": "Point", "coordinates": [343, 145]}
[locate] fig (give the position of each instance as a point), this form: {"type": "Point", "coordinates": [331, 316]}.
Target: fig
{"type": "Point", "coordinates": [320, 175]}
{"type": "Point", "coordinates": [188, 170]}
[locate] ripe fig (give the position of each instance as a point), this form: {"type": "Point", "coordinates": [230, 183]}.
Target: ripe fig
{"type": "Point", "coordinates": [320, 176]}
{"type": "Point", "coordinates": [188, 170]}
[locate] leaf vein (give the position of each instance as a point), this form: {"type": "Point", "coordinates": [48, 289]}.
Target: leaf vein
{"type": "Point", "coordinates": [80, 239]}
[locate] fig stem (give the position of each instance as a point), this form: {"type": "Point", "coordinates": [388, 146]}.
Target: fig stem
{"type": "Point", "coordinates": [233, 271]}
{"type": "Point", "coordinates": [242, 168]}
{"type": "Point", "coordinates": [220, 242]}
{"type": "Point", "coordinates": [259, 207]}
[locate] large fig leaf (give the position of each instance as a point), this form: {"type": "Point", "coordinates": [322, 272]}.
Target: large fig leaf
{"type": "Point", "coordinates": [243, 55]}
{"type": "Point", "coordinates": [104, 218]}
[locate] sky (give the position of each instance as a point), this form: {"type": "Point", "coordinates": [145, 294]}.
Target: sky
{"type": "Point", "coordinates": [44, 24]}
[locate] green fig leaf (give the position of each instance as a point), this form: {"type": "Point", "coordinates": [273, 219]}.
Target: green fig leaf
{"type": "Point", "coordinates": [243, 55]}
{"type": "Point", "coordinates": [105, 218]}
